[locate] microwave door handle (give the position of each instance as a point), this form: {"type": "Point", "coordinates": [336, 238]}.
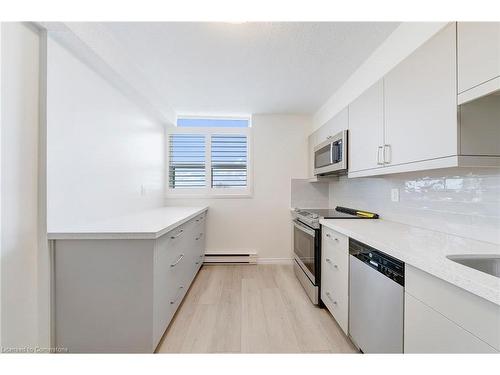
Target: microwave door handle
{"type": "Point", "coordinates": [331, 153]}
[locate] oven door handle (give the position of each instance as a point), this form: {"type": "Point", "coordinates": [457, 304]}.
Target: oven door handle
{"type": "Point", "coordinates": [305, 229]}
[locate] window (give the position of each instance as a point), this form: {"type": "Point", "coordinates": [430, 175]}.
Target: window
{"type": "Point", "coordinates": [209, 159]}
{"type": "Point", "coordinates": [229, 161]}
{"type": "Point", "coordinates": [187, 161]}
{"type": "Point", "coordinates": [198, 122]}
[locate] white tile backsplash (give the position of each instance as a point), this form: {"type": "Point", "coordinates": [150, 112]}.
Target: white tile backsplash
{"type": "Point", "coordinates": [305, 194]}
{"type": "Point", "coordinates": [461, 201]}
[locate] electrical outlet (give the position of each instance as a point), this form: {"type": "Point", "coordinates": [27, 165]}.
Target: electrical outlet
{"type": "Point", "coordinates": [395, 195]}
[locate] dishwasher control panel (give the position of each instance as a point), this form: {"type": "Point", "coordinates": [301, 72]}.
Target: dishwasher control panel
{"type": "Point", "coordinates": [391, 267]}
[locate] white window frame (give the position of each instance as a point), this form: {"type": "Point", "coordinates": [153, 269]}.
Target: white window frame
{"type": "Point", "coordinates": [208, 191]}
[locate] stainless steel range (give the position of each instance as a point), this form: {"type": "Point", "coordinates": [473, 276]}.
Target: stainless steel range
{"type": "Point", "coordinates": [307, 243]}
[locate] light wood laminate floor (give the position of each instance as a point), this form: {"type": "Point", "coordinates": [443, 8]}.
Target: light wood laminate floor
{"type": "Point", "coordinates": [251, 309]}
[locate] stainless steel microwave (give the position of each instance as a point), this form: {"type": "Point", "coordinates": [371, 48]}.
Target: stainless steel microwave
{"type": "Point", "coordinates": [330, 156]}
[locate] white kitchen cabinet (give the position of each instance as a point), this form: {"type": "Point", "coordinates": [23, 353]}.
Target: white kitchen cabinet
{"type": "Point", "coordinates": [335, 275]}
{"type": "Point", "coordinates": [478, 59]}
{"type": "Point", "coordinates": [421, 103]}
{"type": "Point", "coordinates": [428, 331]}
{"type": "Point", "coordinates": [423, 126]}
{"type": "Point", "coordinates": [366, 129]}
{"type": "Point", "coordinates": [441, 317]}
{"type": "Point", "coordinates": [338, 123]}
{"type": "Point", "coordinates": [119, 295]}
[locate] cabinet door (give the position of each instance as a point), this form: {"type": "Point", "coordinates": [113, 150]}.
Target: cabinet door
{"type": "Point", "coordinates": [366, 129]}
{"type": "Point", "coordinates": [338, 123]}
{"type": "Point", "coordinates": [427, 331]}
{"type": "Point", "coordinates": [478, 53]}
{"type": "Point", "coordinates": [421, 103]}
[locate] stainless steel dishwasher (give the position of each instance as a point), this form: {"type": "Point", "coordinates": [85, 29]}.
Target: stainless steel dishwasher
{"type": "Point", "coordinates": [376, 299]}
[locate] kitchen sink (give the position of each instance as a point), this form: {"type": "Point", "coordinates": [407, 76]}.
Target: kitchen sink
{"type": "Point", "coordinates": [489, 264]}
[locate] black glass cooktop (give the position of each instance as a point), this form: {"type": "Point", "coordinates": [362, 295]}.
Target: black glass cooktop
{"type": "Point", "coordinates": [337, 213]}
{"type": "Point", "coordinates": [330, 214]}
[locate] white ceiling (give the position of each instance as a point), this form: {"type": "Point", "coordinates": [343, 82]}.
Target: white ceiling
{"type": "Point", "coordinates": [214, 68]}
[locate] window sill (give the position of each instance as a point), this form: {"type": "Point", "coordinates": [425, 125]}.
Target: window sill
{"type": "Point", "coordinates": [210, 196]}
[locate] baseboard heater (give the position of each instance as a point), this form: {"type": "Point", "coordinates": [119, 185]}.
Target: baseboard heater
{"type": "Point", "coordinates": [231, 258]}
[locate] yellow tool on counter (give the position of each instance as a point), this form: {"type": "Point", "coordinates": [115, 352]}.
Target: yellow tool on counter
{"type": "Point", "coordinates": [352, 211]}
{"type": "Point", "coordinates": [365, 214]}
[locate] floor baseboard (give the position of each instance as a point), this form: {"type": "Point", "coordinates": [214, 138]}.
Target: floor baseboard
{"type": "Point", "coordinates": [274, 261]}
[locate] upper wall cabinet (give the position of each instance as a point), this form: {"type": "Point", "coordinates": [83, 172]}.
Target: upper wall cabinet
{"type": "Point", "coordinates": [478, 59]}
{"type": "Point", "coordinates": [366, 129]}
{"type": "Point", "coordinates": [338, 123]}
{"type": "Point", "coordinates": [420, 103]}
{"type": "Point", "coordinates": [409, 121]}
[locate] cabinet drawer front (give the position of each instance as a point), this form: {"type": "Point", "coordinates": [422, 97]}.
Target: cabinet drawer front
{"type": "Point", "coordinates": [175, 237]}
{"type": "Point", "coordinates": [334, 296]}
{"type": "Point", "coordinates": [335, 264]}
{"type": "Point", "coordinates": [200, 219]}
{"type": "Point", "coordinates": [473, 313]}
{"type": "Point", "coordinates": [335, 240]}
{"type": "Point", "coordinates": [428, 331]}
{"type": "Point", "coordinates": [335, 283]}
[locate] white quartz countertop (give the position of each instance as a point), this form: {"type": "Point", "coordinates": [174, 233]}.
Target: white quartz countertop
{"type": "Point", "coordinates": [427, 250]}
{"type": "Point", "coordinates": [149, 224]}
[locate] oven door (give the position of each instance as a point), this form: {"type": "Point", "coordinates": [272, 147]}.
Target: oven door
{"type": "Point", "coordinates": [304, 242]}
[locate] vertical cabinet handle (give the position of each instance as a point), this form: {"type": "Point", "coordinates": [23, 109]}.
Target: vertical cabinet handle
{"type": "Point", "coordinates": [387, 154]}
{"type": "Point", "coordinates": [379, 149]}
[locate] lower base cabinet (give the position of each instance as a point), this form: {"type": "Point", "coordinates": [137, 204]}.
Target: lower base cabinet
{"type": "Point", "coordinates": [119, 295]}
{"type": "Point", "coordinates": [335, 275]}
{"type": "Point", "coordinates": [443, 318]}
{"type": "Point", "coordinates": [428, 331]}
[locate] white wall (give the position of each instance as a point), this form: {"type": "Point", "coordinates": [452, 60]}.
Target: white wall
{"type": "Point", "coordinates": [399, 45]}
{"type": "Point", "coordinates": [261, 223]}
{"type": "Point", "coordinates": [461, 201]}
{"type": "Point", "coordinates": [101, 147]}
{"type": "Point", "coordinates": [19, 184]}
